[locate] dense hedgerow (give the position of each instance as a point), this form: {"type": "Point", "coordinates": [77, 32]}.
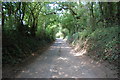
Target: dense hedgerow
{"type": "Point", "coordinates": [17, 47]}
{"type": "Point", "coordinates": [103, 43]}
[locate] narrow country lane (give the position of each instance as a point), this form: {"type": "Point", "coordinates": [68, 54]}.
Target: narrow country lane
{"type": "Point", "coordinates": [60, 61]}
{"type": "Point", "coordinates": [32, 45]}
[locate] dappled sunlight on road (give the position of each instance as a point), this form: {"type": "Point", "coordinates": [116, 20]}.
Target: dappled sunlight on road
{"type": "Point", "coordinates": [61, 58]}
{"type": "Point", "coordinates": [53, 47]}
{"type": "Point", "coordinates": [59, 44]}
{"type": "Point", "coordinates": [60, 61]}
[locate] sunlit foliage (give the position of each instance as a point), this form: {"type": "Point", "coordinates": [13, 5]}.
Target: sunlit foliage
{"type": "Point", "coordinates": [25, 24]}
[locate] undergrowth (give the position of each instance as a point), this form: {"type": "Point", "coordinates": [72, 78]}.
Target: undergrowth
{"type": "Point", "coordinates": [17, 47]}
{"type": "Point", "coordinates": [103, 43]}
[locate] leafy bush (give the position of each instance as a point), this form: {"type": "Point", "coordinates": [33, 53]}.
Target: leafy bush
{"type": "Point", "coordinates": [105, 42]}
{"type": "Point", "coordinates": [17, 47]}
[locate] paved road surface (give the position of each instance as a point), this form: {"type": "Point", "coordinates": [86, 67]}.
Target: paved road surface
{"type": "Point", "coordinates": [60, 61]}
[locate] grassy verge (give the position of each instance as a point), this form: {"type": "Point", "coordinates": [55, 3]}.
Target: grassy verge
{"type": "Point", "coordinates": [102, 43]}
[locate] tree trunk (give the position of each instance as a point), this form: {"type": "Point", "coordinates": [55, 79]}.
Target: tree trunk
{"type": "Point", "coordinates": [101, 11]}
{"type": "Point", "coordinates": [33, 28]}
{"type": "Point", "coordinates": [91, 9]}
{"type": "Point", "coordinates": [118, 13]}
{"type": "Point", "coordinates": [3, 18]}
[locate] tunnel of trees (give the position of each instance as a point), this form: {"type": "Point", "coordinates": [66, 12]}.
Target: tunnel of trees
{"type": "Point", "coordinates": [27, 26]}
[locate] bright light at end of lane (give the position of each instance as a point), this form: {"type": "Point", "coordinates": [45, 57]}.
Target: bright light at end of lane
{"type": "Point", "coordinates": [53, 5]}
